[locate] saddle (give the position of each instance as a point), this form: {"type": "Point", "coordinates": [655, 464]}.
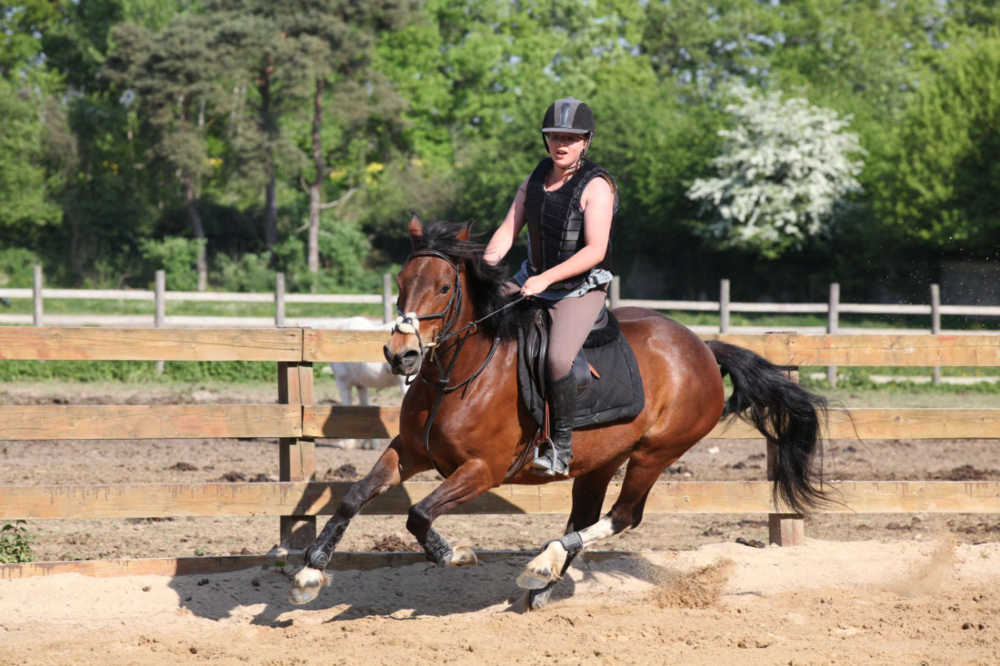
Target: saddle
{"type": "Point", "coordinates": [608, 384]}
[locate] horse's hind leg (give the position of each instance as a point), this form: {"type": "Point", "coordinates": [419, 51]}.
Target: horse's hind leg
{"type": "Point", "coordinates": [393, 467]}
{"type": "Point", "coordinates": [588, 498]}
{"type": "Point", "coordinates": [640, 476]}
{"type": "Point", "coordinates": [467, 482]}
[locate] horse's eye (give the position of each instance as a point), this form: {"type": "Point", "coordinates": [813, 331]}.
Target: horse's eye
{"type": "Point", "coordinates": [444, 289]}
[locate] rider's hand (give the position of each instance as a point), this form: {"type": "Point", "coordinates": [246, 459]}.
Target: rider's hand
{"type": "Point", "coordinates": [536, 284]}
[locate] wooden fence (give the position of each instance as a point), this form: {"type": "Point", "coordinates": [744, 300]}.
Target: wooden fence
{"type": "Point", "coordinates": [724, 307]}
{"type": "Point", "coordinates": [297, 422]}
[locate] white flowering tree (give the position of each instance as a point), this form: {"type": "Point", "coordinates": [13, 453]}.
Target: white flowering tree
{"type": "Point", "coordinates": [784, 168]}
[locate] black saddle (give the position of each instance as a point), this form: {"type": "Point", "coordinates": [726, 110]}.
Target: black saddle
{"type": "Point", "coordinates": [609, 387]}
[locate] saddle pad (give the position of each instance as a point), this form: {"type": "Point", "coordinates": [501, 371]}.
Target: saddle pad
{"type": "Point", "coordinates": [615, 395]}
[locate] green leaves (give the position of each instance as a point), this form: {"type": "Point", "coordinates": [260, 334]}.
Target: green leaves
{"type": "Point", "coordinates": [938, 180]}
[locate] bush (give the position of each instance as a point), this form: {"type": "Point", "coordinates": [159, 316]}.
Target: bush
{"type": "Point", "coordinates": [15, 543]}
{"type": "Point", "coordinates": [250, 272]}
{"type": "Point", "coordinates": [17, 267]}
{"type": "Point", "coordinates": [178, 257]}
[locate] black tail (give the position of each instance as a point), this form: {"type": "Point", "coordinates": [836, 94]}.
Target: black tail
{"type": "Point", "coordinates": [785, 413]}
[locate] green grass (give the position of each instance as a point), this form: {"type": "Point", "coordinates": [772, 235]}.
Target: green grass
{"type": "Point", "coordinates": [222, 309]}
{"type": "Point", "coordinates": [231, 372]}
{"type": "Point", "coordinates": [193, 308]}
{"type": "Point", "coordinates": [985, 324]}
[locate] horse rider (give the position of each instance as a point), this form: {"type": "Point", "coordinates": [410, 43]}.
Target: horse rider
{"type": "Point", "coordinates": [568, 204]}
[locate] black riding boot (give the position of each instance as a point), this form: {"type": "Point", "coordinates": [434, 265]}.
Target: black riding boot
{"type": "Point", "coordinates": [553, 459]}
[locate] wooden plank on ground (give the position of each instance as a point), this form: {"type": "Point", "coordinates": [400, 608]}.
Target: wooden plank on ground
{"type": "Point", "coordinates": [337, 422]}
{"type": "Point", "coordinates": [303, 499]}
{"type": "Point", "coordinates": [345, 346]}
{"type": "Point", "coordinates": [188, 566]}
{"type": "Point", "coordinates": [150, 344]}
{"type": "Point", "coordinates": [875, 350]}
{"type": "Point", "coordinates": [34, 422]}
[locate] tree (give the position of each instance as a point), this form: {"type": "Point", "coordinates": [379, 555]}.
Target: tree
{"type": "Point", "coordinates": [337, 45]}
{"type": "Point", "coordinates": [173, 77]}
{"type": "Point", "coordinates": [784, 168]}
{"type": "Point", "coordinates": [936, 185]}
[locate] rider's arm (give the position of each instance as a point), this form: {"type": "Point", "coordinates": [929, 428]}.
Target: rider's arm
{"type": "Point", "coordinates": [503, 238]}
{"type": "Point", "coordinates": [598, 203]}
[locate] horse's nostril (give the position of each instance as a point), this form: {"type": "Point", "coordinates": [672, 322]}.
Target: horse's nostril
{"type": "Point", "coordinates": [387, 354]}
{"type": "Point", "coordinates": [410, 357]}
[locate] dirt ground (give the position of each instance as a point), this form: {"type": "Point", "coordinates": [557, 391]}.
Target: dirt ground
{"type": "Point", "coordinates": [865, 588]}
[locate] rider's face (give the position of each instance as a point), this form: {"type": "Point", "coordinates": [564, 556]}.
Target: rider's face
{"type": "Point", "coordinates": [565, 148]}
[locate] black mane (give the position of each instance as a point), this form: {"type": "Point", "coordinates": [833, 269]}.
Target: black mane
{"type": "Point", "coordinates": [483, 279]}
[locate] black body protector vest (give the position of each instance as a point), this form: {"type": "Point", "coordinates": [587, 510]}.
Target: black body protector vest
{"type": "Point", "coordinates": [555, 221]}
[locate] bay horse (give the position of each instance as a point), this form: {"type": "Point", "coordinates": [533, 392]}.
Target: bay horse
{"type": "Point", "coordinates": [463, 417]}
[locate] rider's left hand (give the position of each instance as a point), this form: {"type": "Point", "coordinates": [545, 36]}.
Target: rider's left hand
{"type": "Point", "coordinates": [536, 284]}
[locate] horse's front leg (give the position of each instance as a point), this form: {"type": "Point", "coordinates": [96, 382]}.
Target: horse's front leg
{"type": "Point", "coordinates": [467, 482]}
{"type": "Point", "coordinates": [393, 467]}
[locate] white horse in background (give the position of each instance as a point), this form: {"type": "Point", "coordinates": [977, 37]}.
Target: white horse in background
{"type": "Point", "coordinates": [362, 376]}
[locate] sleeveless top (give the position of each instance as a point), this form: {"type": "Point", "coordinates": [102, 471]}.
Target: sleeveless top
{"type": "Point", "coordinates": [555, 229]}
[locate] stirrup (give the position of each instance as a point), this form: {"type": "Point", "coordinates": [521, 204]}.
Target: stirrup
{"type": "Point", "coordinates": [550, 463]}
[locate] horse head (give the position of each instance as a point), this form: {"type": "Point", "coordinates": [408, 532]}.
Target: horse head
{"type": "Point", "coordinates": [431, 303]}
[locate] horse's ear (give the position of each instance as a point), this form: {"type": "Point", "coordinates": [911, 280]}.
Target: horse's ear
{"type": "Point", "coordinates": [464, 234]}
{"type": "Point", "coordinates": [416, 232]}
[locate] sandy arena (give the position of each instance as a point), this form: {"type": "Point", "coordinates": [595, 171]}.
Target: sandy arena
{"type": "Point", "coordinates": [882, 589]}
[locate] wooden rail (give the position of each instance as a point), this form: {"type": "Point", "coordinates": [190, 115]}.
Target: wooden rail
{"type": "Point", "coordinates": [313, 345]}
{"type": "Point", "coordinates": [47, 422]}
{"type": "Point", "coordinates": [297, 422]}
{"type": "Point", "coordinates": [313, 499]}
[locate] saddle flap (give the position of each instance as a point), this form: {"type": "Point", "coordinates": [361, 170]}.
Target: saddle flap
{"type": "Point", "coordinates": [609, 387]}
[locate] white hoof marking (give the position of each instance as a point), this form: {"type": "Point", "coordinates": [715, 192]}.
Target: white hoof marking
{"type": "Point", "coordinates": [544, 568]}
{"type": "Point", "coordinates": [463, 556]}
{"type": "Point", "coordinates": [306, 585]}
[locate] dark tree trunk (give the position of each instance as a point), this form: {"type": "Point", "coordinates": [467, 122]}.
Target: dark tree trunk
{"type": "Point", "coordinates": [267, 124]}
{"type": "Point", "coordinates": [197, 230]}
{"type": "Point", "coordinates": [316, 188]}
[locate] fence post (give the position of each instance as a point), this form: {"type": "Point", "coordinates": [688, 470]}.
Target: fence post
{"type": "Point", "coordinates": [936, 324]}
{"type": "Point", "coordinates": [36, 295]}
{"type": "Point", "coordinates": [832, 324]}
{"type": "Point", "coordinates": [297, 455]}
{"type": "Point", "coordinates": [279, 299]}
{"type": "Point", "coordinates": [724, 306]}
{"type": "Point", "coordinates": [783, 529]}
{"type": "Point", "coordinates": [160, 313]}
{"type": "Point", "coordinates": [388, 307]}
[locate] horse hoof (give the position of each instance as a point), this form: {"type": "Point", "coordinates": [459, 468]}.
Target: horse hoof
{"type": "Point", "coordinates": [536, 599]}
{"type": "Point", "coordinates": [534, 580]}
{"type": "Point", "coordinates": [306, 585]}
{"type": "Point", "coordinates": [463, 556]}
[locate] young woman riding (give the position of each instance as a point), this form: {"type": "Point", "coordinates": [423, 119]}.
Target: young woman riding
{"type": "Point", "coordinates": [568, 204]}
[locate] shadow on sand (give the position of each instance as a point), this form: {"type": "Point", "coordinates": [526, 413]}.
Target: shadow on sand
{"type": "Point", "coordinates": [259, 595]}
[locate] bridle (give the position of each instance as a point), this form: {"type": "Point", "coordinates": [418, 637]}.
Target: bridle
{"type": "Point", "coordinates": [409, 323]}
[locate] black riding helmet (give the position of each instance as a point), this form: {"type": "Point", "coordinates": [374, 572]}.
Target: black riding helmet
{"type": "Point", "coordinates": [568, 116]}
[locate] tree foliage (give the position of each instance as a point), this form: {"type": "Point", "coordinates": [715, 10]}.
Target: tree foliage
{"type": "Point", "coordinates": [785, 167]}
{"type": "Point", "coordinates": [298, 136]}
{"type": "Point", "coordinates": [937, 182]}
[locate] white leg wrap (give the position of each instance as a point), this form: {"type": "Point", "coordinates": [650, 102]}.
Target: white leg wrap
{"type": "Point", "coordinates": [602, 529]}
